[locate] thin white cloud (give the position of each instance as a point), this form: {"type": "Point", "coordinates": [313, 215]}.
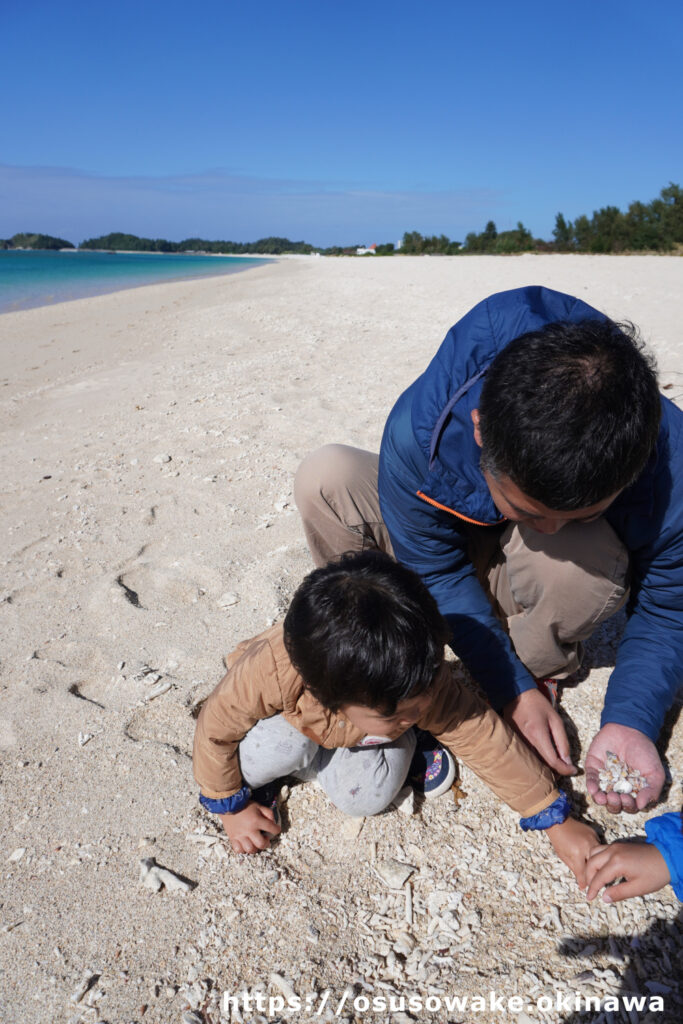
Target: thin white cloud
{"type": "Point", "coordinates": [74, 204]}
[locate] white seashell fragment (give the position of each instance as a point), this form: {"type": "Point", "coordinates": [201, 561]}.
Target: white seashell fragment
{"type": "Point", "coordinates": [617, 777]}
{"type": "Point", "coordinates": [351, 828]}
{"type": "Point", "coordinates": [277, 981]}
{"type": "Point", "coordinates": [622, 786]}
{"type": "Point", "coordinates": [157, 690]}
{"type": "Point", "coordinates": [408, 913]}
{"type": "Point", "coordinates": [17, 855]}
{"type": "Point", "coordinates": [195, 837]}
{"type": "Point", "coordinates": [153, 877]}
{"type": "Point", "coordinates": [227, 600]}
{"type": "Point", "coordinates": [472, 920]}
{"type": "Point", "coordinates": [84, 737]}
{"type": "Point", "coordinates": [162, 458]}
{"type": "Point", "coordinates": [83, 986]}
{"type": "Point", "coordinates": [404, 945]}
{"type": "Point", "coordinates": [405, 801]}
{"type": "Point", "coordinates": [394, 873]}
{"type": "Point", "coordinates": [191, 1017]}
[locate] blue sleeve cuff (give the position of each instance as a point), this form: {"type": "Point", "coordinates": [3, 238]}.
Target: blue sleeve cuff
{"type": "Point", "coordinates": [229, 804]}
{"type": "Point", "coordinates": [666, 833]}
{"type": "Point", "coordinates": [555, 814]}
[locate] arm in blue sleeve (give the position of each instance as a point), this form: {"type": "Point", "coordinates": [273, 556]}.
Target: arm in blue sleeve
{"type": "Point", "coordinates": [649, 666]}
{"type": "Point", "coordinates": [555, 814]}
{"type": "Point", "coordinates": [425, 541]}
{"type": "Point", "coordinates": [229, 804]}
{"type": "Point", "coordinates": [666, 833]}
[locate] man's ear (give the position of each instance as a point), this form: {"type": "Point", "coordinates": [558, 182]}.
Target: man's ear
{"type": "Point", "coordinates": [477, 431]}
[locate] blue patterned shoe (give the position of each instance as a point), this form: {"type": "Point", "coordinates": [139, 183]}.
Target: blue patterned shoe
{"type": "Point", "coordinates": [433, 769]}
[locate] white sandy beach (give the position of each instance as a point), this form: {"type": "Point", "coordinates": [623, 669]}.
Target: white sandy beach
{"type": "Point", "coordinates": [150, 439]}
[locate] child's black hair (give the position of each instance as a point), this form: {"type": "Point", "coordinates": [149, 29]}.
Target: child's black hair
{"type": "Point", "coordinates": [365, 630]}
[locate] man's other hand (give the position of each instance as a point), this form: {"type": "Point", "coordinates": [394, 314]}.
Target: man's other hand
{"type": "Point", "coordinates": [536, 721]}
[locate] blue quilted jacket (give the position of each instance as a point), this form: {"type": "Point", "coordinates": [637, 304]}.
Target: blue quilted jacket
{"type": "Point", "coordinates": [665, 833]}
{"type": "Point", "coordinates": [432, 490]}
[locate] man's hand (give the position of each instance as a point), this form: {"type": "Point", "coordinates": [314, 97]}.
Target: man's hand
{"type": "Point", "coordinates": [641, 864]}
{"type": "Point", "coordinates": [573, 843]}
{"type": "Point", "coordinates": [536, 721]}
{"type": "Point", "coordinates": [250, 829]}
{"type": "Point", "coordinates": [637, 751]}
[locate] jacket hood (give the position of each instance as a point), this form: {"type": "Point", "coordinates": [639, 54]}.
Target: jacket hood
{"type": "Point", "coordinates": [449, 389]}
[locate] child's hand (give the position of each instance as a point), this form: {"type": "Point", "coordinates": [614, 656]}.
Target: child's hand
{"type": "Point", "coordinates": [573, 842]}
{"type": "Point", "coordinates": [641, 864]}
{"type": "Point", "coordinates": [247, 829]}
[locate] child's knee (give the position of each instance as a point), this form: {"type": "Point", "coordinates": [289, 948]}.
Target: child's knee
{"type": "Point", "coordinates": [362, 805]}
{"type": "Point", "coordinates": [273, 748]}
{"type": "Point", "coordinates": [365, 782]}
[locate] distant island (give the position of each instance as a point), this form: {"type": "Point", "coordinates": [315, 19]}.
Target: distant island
{"type": "Point", "coordinates": [264, 246]}
{"type": "Point", "coordinates": [29, 241]}
{"type": "Point", "coordinates": [656, 226]}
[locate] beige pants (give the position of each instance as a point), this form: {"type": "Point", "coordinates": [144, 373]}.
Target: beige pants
{"type": "Point", "coordinates": [550, 591]}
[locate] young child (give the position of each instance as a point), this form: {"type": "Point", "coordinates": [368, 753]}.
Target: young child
{"type": "Point", "coordinates": [334, 693]}
{"type": "Point", "coordinates": [646, 866]}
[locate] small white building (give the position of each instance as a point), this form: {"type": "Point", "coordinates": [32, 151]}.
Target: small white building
{"type": "Point", "coordinates": [371, 250]}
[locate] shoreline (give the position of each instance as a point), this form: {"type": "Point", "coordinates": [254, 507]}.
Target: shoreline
{"type": "Point", "coordinates": [109, 286]}
{"type": "Point", "coordinates": [150, 439]}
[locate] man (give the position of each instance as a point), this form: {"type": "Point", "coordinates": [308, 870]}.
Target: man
{"type": "Point", "coordinates": [533, 476]}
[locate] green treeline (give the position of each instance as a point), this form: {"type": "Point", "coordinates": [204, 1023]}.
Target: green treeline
{"type": "Point", "coordinates": [656, 225]}
{"type": "Point", "coordinates": [490, 241]}
{"type": "Point", "coordinates": [644, 227]}
{"type": "Point", "coordinates": [117, 240]}
{"type": "Point", "coordinates": [33, 241]}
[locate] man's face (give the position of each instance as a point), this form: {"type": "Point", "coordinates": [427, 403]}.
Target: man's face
{"type": "Point", "coordinates": [374, 723]}
{"type": "Point", "coordinates": [518, 507]}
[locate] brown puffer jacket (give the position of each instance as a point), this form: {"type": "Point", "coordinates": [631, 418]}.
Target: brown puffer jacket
{"type": "Point", "coordinates": [261, 681]}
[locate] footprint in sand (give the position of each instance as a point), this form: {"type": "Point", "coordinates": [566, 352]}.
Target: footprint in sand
{"type": "Point", "coordinates": [152, 587]}
{"type": "Point", "coordinates": [167, 723]}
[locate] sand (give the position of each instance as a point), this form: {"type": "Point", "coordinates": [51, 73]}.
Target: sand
{"type": "Point", "coordinates": [150, 439]}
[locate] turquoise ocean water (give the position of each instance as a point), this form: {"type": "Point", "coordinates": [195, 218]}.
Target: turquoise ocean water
{"type": "Point", "coordinates": [39, 277]}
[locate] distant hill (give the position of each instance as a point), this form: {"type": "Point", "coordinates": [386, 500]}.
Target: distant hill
{"type": "Point", "coordinates": [118, 240]}
{"type": "Point", "coordinates": [34, 241]}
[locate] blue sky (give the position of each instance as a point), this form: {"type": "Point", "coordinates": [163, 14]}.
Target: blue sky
{"type": "Point", "coordinates": [333, 122]}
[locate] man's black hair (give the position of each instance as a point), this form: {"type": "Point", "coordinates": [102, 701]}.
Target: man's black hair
{"type": "Point", "coordinates": [570, 413]}
{"type": "Point", "coordinates": [365, 630]}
